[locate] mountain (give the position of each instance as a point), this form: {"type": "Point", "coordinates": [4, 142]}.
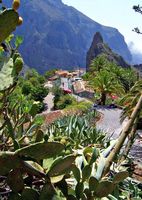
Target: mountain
{"type": "Point", "coordinates": [57, 35]}
{"type": "Point", "coordinates": [98, 47]}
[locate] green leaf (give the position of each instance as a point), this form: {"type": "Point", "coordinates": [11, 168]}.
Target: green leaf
{"type": "Point", "coordinates": [93, 183]}
{"type": "Point", "coordinates": [47, 163]}
{"type": "Point", "coordinates": [56, 179]}
{"type": "Point", "coordinates": [6, 74]}
{"type": "Point", "coordinates": [61, 166]}
{"type": "Point", "coordinates": [9, 38]}
{"type": "Point", "coordinates": [94, 157]}
{"type": "Point", "coordinates": [18, 64]}
{"type": "Point", "coordinates": [34, 109]}
{"type": "Point", "coordinates": [18, 41]}
{"type": "Point", "coordinates": [76, 173]}
{"type": "Point", "coordinates": [120, 176]}
{"type": "Point", "coordinates": [86, 172]}
{"type": "Point", "coordinates": [41, 150]}
{"type": "Point", "coordinates": [79, 190]}
{"type": "Point", "coordinates": [8, 22]}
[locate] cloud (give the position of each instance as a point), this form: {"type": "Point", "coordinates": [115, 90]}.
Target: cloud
{"type": "Point", "coordinates": [135, 47]}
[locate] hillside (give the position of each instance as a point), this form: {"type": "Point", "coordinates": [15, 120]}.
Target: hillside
{"type": "Point", "coordinates": [57, 35]}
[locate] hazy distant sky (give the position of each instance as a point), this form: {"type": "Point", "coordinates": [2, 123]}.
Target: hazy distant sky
{"type": "Point", "coordinates": [114, 13]}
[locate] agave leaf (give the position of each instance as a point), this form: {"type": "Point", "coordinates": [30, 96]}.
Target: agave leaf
{"type": "Point", "coordinates": [61, 166]}
{"type": "Point", "coordinates": [41, 150]}
{"type": "Point", "coordinates": [94, 157]}
{"type": "Point", "coordinates": [100, 168]}
{"type": "Point", "coordinates": [6, 74]}
{"type": "Point", "coordinates": [8, 22]}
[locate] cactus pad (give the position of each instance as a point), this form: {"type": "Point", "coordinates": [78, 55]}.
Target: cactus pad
{"type": "Point", "coordinates": [29, 194]}
{"type": "Point", "coordinates": [41, 150]}
{"type": "Point", "coordinates": [8, 22]}
{"type": "Point", "coordinates": [120, 176]}
{"type": "Point", "coordinates": [104, 189]}
{"type": "Point", "coordinates": [8, 161]}
{"type": "Point", "coordinates": [6, 74]}
{"type": "Point", "coordinates": [61, 165]}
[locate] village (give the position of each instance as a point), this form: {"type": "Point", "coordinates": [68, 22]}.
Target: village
{"type": "Point", "coordinates": [71, 82]}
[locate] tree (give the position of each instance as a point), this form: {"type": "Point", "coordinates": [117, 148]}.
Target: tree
{"type": "Point", "coordinates": [126, 76]}
{"type": "Point", "coordinates": [138, 9]}
{"type": "Point", "coordinates": [50, 73]}
{"type": "Point", "coordinates": [105, 83]}
{"type": "Point", "coordinates": [99, 63]}
{"type": "Point", "coordinates": [129, 102]}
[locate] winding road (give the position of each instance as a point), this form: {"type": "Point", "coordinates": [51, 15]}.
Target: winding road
{"type": "Point", "coordinates": [110, 123]}
{"type": "Point", "coordinates": [110, 120]}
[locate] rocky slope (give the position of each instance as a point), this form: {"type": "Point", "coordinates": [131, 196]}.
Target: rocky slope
{"type": "Point", "coordinates": [57, 35]}
{"type": "Point", "coordinates": [98, 47]}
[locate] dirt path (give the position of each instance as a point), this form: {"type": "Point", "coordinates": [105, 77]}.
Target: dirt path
{"type": "Point", "coordinates": [48, 100]}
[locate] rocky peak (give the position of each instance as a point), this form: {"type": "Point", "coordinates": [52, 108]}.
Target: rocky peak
{"type": "Point", "coordinates": [98, 47]}
{"type": "Point", "coordinates": [97, 39]}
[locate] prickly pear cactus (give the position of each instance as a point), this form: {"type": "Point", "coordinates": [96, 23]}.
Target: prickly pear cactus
{"type": "Point", "coordinates": [6, 74]}
{"type": "Point", "coordinates": [8, 22]}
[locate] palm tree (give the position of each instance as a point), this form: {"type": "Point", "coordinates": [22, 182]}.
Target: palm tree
{"type": "Point", "coordinates": [99, 63]}
{"type": "Point", "coordinates": [127, 76]}
{"type": "Point", "coordinates": [129, 102]}
{"type": "Point", "coordinates": [105, 83]}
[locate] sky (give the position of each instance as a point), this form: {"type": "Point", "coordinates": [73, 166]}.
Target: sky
{"type": "Point", "coordinates": [114, 13]}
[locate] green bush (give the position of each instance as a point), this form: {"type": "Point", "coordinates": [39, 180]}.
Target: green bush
{"type": "Point", "coordinates": [64, 101]}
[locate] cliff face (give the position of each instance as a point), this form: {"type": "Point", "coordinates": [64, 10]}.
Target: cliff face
{"type": "Point", "coordinates": [57, 35]}
{"type": "Point", "coordinates": [98, 47]}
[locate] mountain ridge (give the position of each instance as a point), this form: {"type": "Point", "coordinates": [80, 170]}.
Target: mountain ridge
{"type": "Point", "coordinates": [59, 36]}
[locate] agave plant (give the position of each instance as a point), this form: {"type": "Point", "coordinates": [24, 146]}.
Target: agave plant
{"type": "Point", "coordinates": [77, 130]}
